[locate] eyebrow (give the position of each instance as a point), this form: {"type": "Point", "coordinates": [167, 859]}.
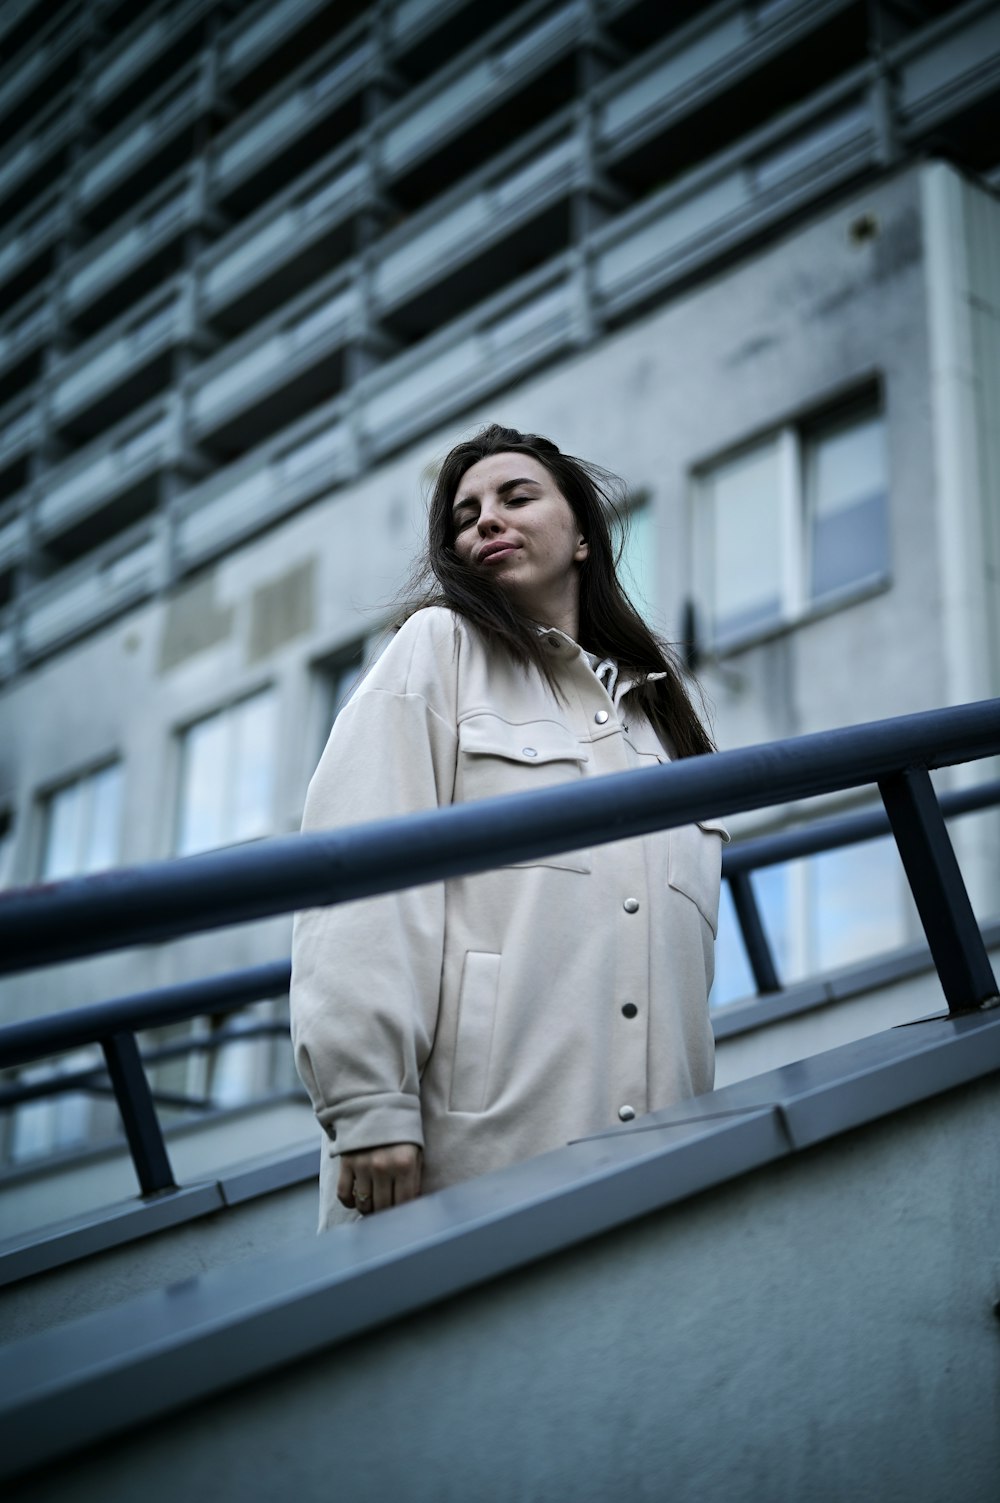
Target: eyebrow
{"type": "Point", "coordinates": [502, 489]}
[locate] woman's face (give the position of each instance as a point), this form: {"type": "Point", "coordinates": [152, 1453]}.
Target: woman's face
{"type": "Point", "coordinates": [512, 522]}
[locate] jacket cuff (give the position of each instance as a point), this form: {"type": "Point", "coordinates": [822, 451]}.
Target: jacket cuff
{"type": "Point", "coordinates": [371, 1121]}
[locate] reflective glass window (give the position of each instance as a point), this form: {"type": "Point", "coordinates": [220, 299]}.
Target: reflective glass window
{"type": "Point", "coordinates": [227, 776]}
{"type": "Point", "coordinates": [82, 828]}
{"type": "Point", "coordinates": [743, 496]}
{"type": "Point", "coordinates": [847, 502]}
{"type": "Point", "coordinates": [638, 561]}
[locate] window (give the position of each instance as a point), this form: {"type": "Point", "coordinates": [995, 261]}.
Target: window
{"type": "Point", "coordinates": [82, 824]}
{"type": "Point", "coordinates": [819, 914]}
{"type": "Point", "coordinates": [638, 561]}
{"type": "Point", "coordinates": [334, 681]}
{"type": "Point", "coordinates": [53, 1123]}
{"type": "Point", "coordinates": [792, 522]}
{"type": "Point", "coordinates": [227, 776]}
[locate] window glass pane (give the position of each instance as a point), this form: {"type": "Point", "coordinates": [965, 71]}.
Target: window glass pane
{"type": "Point", "coordinates": [733, 977]}
{"type": "Point", "coordinates": [638, 565]}
{"type": "Point", "coordinates": [253, 767]}
{"type": "Point", "coordinates": [101, 844]}
{"type": "Point", "coordinates": [54, 1122]}
{"type": "Point", "coordinates": [63, 833]}
{"type": "Point", "coordinates": [847, 496]}
{"type": "Point", "coordinates": [227, 777]}
{"type": "Point", "coordinates": [744, 497]}
{"type": "Point", "coordinates": [857, 904]}
{"type": "Point", "coordinates": [201, 816]}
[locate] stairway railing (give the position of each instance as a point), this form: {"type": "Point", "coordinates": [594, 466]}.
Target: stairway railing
{"type": "Point", "coordinates": [84, 916]}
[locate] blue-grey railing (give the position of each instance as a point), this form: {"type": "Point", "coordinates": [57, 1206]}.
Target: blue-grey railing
{"type": "Point", "coordinates": [127, 906]}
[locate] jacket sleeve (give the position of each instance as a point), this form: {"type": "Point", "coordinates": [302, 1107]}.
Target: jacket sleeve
{"type": "Point", "coordinates": [366, 975]}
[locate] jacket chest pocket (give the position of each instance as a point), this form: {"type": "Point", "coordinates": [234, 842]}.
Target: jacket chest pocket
{"type": "Point", "coordinates": [498, 757]}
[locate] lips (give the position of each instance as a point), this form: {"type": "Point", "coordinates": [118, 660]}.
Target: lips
{"type": "Point", "coordinates": [494, 552]}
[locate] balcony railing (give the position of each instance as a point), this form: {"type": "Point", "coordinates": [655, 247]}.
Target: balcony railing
{"type": "Point", "coordinates": [85, 916]}
{"type": "Point", "coordinates": [121, 460]}
{"type": "Point", "coordinates": [141, 48]}
{"type": "Point", "coordinates": [114, 577]}
{"type": "Point", "coordinates": [112, 258]}
{"type": "Point", "coordinates": [325, 84]}
{"type": "Point", "coordinates": [55, 46]}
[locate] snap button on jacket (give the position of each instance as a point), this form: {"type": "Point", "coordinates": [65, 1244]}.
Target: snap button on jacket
{"type": "Point", "coordinates": [488, 1018]}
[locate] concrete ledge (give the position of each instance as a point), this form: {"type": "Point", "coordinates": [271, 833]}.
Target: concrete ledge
{"type": "Point", "coordinates": [130, 1221]}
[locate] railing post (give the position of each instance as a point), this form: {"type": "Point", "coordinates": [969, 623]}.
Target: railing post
{"type": "Point", "coordinates": [939, 890]}
{"type": "Point", "coordinates": [142, 1127]}
{"type": "Point", "coordinates": [765, 972]}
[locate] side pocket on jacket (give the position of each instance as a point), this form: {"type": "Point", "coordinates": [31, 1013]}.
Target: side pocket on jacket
{"type": "Point", "coordinates": [477, 1005]}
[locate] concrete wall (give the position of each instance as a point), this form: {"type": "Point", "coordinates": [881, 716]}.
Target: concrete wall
{"type": "Point", "coordinates": [824, 1328]}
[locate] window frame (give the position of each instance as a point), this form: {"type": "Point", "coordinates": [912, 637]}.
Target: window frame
{"type": "Point", "coordinates": [183, 728]}
{"type": "Point", "coordinates": [44, 799]}
{"type": "Point", "coordinates": [794, 438]}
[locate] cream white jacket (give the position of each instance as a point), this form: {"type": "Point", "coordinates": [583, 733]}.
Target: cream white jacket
{"type": "Point", "coordinates": [493, 1017]}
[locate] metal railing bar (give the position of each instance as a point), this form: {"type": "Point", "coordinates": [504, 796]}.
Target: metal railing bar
{"type": "Point", "coordinates": [138, 1113]}
{"type": "Point", "coordinates": [842, 830]}
{"type": "Point", "coordinates": [953, 935]}
{"type": "Point", "coordinates": [129, 906]}
{"type": "Point", "coordinates": [38, 1037]}
{"type": "Point", "coordinates": [95, 1080]}
{"type": "Point", "coordinates": [758, 948]}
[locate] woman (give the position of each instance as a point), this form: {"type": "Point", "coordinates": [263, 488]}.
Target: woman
{"type": "Point", "coordinates": [451, 1029]}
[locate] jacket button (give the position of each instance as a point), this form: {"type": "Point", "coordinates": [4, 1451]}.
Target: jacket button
{"type": "Point", "coordinates": [601, 717]}
{"type": "Point", "coordinates": [626, 1113]}
{"type": "Point", "coordinates": [629, 1010]}
{"type": "Point", "coordinates": [528, 751]}
{"type": "Point", "coordinates": [631, 905]}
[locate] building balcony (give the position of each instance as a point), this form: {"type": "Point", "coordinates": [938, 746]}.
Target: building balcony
{"type": "Point", "coordinates": [738, 194]}
{"type": "Point", "coordinates": [298, 464]}
{"type": "Point", "coordinates": [503, 222]}
{"type": "Point", "coordinates": [134, 254]}
{"type": "Point", "coordinates": [517, 77]}
{"type": "Point", "coordinates": [294, 124]}
{"type": "Point", "coordinates": [288, 244]}
{"type": "Point", "coordinates": [26, 252]}
{"type": "Point", "coordinates": [112, 479]}
{"type": "Point", "coordinates": [38, 153]}
{"type": "Point", "coordinates": [263, 30]}
{"type": "Point", "coordinates": [23, 334]}
{"type": "Point", "coordinates": [123, 366]}
{"type": "Point", "coordinates": [153, 144]}
{"type": "Point", "coordinates": [13, 536]}
{"type": "Point", "coordinates": [288, 363]}
{"type": "Point", "coordinates": [948, 83]}
{"type": "Point", "coordinates": [518, 330]}
{"type": "Point", "coordinates": [48, 64]}
{"type": "Point", "coordinates": [93, 590]}
{"type": "Point", "coordinates": [159, 41]}
{"type": "Point", "coordinates": [19, 434]}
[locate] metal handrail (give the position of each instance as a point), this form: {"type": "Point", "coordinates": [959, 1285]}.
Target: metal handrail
{"type": "Point", "coordinates": [61, 921]}
{"type": "Point", "coordinates": [58, 1033]}
{"type": "Point", "coordinates": [127, 906]}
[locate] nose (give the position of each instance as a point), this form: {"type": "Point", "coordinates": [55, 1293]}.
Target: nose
{"type": "Point", "coordinates": [489, 521]}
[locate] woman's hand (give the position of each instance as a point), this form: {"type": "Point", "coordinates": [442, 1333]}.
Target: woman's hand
{"type": "Point", "coordinates": [373, 1179]}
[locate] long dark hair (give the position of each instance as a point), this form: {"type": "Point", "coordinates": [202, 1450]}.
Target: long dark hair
{"type": "Point", "coordinates": [610, 626]}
